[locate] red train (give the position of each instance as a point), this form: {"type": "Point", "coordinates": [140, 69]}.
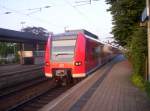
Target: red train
{"type": "Point", "coordinates": [73, 54]}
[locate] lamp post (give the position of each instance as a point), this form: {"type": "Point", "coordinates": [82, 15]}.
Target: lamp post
{"type": "Point", "coordinates": [22, 23]}
{"type": "Point", "coordinates": [148, 35]}
{"type": "Point", "coordinates": [22, 45]}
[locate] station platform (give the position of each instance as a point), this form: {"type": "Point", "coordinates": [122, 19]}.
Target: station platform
{"type": "Point", "coordinates": [107, 89]}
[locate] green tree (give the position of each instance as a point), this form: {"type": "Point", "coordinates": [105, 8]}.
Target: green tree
{"type": "Point", "coordinates": [126, 16]}
{"type": "Point", "coordinates": [37, 31]}
{"type": "Point", "coordinates": [3, 49]}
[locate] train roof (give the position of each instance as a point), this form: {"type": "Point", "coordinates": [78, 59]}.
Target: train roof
{"type": "Point", "coordinates": [73, 33]}
{"type": "Point", "coordinates": [84, 32]}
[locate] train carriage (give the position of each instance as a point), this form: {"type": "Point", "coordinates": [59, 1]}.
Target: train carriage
{"type": "Point", "coordinates": [73, 54]}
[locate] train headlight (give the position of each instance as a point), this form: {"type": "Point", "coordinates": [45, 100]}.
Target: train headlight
{"type": "Point", "coordinates": [47, 64]}
{"type": "Point", "coordinates": [78, 63]}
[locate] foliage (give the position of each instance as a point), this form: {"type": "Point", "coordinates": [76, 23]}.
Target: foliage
{"type": "Point", "coordinates": [147, 88]}
{"type": "Point", "coordinates": [126, 14]}
{"type": "Point", "coordinates": [5, 49]}
{"type": "Point", "coordinates": [138, 81]}
{"type": "Point", "coordinates": [36, 30]}
{"type": "Point", "coordinates": [138, 48]}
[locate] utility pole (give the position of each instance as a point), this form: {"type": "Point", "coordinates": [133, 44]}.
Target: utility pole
{"type": "Point", "coordinates": [148, 35]}
{"type": "Point", "coordinates": [90, 1]}
{"type": "Point", "coordinates": [22, 23]}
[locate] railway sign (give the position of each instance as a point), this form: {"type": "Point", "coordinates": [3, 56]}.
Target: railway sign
{"type": "Point", "coordinates": [144, 15]}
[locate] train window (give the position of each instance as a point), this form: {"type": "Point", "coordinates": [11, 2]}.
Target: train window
{"type": "Point", "coordinates": [96, 52]}
{"type": "Point", "coordinates": [38, 53]}
{"type": "Point", "coordinates": [63, 50]}
{"type": "Point", "coordinates": [97, 49]}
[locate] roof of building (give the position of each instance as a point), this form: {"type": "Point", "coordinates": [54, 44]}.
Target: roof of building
{"type": "Point", "coordinates": [17, 36]}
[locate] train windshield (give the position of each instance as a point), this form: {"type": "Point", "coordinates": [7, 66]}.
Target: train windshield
{"type": "Point", "coordinates": [63, 50]}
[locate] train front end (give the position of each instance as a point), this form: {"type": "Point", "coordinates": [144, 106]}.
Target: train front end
{"type": "Point", "coordinates": [65, 57]}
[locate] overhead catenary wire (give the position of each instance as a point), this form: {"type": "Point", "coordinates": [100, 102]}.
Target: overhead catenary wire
{"type": "Point", "coordinates": [86, 18]}
{"type": "Point", "coordinates": [41, 20]}
{"type": "Point", "coordinates": [81, 1]}
{"type": "Point", "coordinates": [27, 15]}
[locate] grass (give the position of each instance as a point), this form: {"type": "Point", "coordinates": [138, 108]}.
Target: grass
{"type": "Point", "coordinates": [147, 85]}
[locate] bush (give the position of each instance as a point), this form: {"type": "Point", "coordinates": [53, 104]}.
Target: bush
{"type": "Point", "coordinates": [138, 49]}
{"type": "Point", "coordinates": [147, 88]}
{"type": "Point", "coordinates": [138, 81]}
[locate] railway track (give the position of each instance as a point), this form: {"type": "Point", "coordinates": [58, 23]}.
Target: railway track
{"type": "Point", "coordinates": [11, 98]}
{"type": "Point", "coordinates": [30, 96]}
{"type": "Point", "coordinates": [18, 87]}
{"type": "Point", "coordinates": [12, 78]}
{"type": "Point", "coordinates": [6, 69]}
{"type": "Point", "coordinates": [38, 102]}
{"type": "Point", "coordinates": [12, 73]}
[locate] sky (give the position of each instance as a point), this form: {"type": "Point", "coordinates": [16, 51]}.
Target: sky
{"type": "Point", "coordinates": [57, 15]}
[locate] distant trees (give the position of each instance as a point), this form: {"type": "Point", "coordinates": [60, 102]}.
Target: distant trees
{"type": "Point", "coordinates": [8, 49]}
{"type": "Point", "coordinates": [37, 31]}
{"type": "Point", "coordinates": [3, 48]}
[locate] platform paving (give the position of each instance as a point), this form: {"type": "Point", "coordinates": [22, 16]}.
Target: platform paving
{"type": "Point", "coordinates": [116, 93]}
{"type": "Point", "coordinates": [108, 89]}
